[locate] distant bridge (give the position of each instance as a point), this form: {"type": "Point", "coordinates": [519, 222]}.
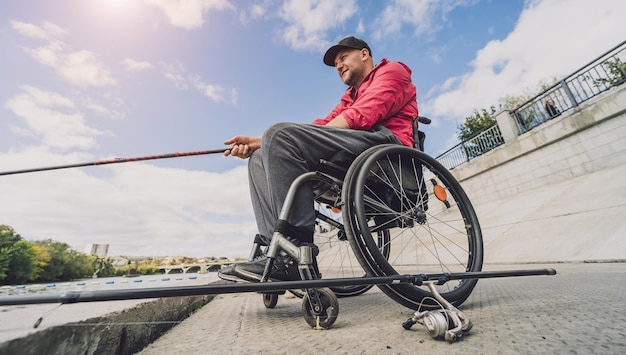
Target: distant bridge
{"type": "Point", "coordinates": [200, 268]}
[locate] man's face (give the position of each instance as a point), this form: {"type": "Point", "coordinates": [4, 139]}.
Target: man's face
{"type": "Point", "coordinates": [350, 64]}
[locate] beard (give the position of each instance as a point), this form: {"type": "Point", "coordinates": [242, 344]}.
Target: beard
{"type": "Point", "coordinates": [352, 77]}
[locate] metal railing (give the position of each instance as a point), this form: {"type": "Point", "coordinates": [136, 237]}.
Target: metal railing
{"type": "Point", "coordinates": [476, 146]}
{"type": "Point", "coordinates": [600, 75]}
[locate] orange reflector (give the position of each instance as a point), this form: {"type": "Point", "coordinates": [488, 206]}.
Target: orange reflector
{"type": "Point", "coordinates": [440, 193]}
{"type": "Point", "coordinates": [335, 209]}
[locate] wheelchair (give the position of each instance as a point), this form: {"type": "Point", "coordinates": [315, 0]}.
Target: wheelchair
{"type": "Point", "coordinates": [394, 210]}
{"type": "Point", "coordinates": [392, 217]}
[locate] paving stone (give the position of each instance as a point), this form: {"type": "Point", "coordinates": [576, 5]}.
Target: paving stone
{"type": "Point", "coordinates": [578, 311]}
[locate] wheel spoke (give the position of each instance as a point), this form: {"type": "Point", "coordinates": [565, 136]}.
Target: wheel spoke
{"type": "Point", "coordinates": [393, 190]}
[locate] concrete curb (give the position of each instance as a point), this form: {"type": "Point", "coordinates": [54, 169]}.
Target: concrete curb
{"type": "Point", "coordinates": [124, 332]}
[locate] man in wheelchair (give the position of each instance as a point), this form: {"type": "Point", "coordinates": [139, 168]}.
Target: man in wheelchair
{"type": "Point", "coordinates": [378, 107]}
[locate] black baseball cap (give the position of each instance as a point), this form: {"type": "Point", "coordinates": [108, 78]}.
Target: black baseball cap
{"type": "Point", "coordinates": [346, 43]}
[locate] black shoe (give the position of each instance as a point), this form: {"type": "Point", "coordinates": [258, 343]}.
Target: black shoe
{"type": "Point", "coordinates": [283, 269]}
{"type": "Point", "coordinates": [228, 273]}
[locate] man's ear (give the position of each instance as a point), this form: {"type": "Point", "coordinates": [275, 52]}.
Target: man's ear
{"type": "Point", "coordinates": [364, 53]}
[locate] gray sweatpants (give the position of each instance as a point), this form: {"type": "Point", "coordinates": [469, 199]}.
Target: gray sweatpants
{"type": "Point", "coordinates": [289, 150]}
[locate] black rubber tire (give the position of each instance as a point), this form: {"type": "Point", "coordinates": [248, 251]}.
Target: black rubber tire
{"type": "Point", "coordinates": [383, 188]}
{"type": "Point", "coordinates": [328, 313]}
{"type": "Point", "coordinates": [270, 300]}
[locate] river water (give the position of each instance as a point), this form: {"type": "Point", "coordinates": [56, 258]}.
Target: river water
{"type": "Point", "coordinates": [111, 283]}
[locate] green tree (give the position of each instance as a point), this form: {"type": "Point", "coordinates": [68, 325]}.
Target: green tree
{"type": "Point", "coordinates": [147, 269]}
{"type": "Point", "coordinates": [476, 123]}
{"type": "Point", "coordinates": [475, 135]}
{"type": "Point", "coordinates": [616, 73]}
{"type": "Point", "coordinates": [55, 266]}
{"type": "Point", "coordinates": [103, 267]}
{"type": "Point", "coordinates": [22, 267]}
{"type": "Point", "coordinates": [64, 264]}
{"type": "Point", "coordinates": [42, 260]}
{"type": "Point", "coordinates": [77, 265]}
{"type": "Point", "coordinates": [8, 238]}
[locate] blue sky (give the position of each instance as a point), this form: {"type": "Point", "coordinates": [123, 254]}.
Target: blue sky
{"type": "Point", "coordinates": [86, 80]}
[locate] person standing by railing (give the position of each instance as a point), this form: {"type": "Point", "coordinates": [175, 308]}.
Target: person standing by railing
{"type": "Point", "coordinates": [551, 109]}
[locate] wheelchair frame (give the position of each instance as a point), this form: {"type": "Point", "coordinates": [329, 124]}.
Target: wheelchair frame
{"type": "Point", "coordinates": [332, 178]}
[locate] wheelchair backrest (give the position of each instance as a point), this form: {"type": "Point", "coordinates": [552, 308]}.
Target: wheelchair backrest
{"type": "Point", "coordinates": [418, 136]}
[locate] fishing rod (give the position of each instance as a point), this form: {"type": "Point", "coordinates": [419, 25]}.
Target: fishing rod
{"type": "Point", "coordinates": [115, 161]}
{"type": "Point", "coordinates": [421, 119]}
{"type": "Point", "coordinates": [274, 286]}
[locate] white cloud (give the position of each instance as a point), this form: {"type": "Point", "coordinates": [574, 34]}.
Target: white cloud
{"type": "Point", "coordinates": [52, 117]}
{"type": "Point", "coordinates": [138, 209]}
{"type": "Point", "coordinates": [435, 53]}
{"type": "Point", "coordinates": [214, 92]}
{"type": "Point", "coordinates": [47, 30]}
{"type": "Point", "coordinates": [81, 68]}
{"type": "Point", "coordinates": [47, 55]}
{"type": "Point", "coordinates": [178, 75]}
{"type": "Point", "coordinates": [178, 80]}
{"type": "Point", "coordinates": [188, 14]}
{"type": "Point", "coordinates": [422, 15]}
{"type": "Point", "coordinates": [551, 38]}
{"type": "Point", "coordinates": [255, 11]}
{"type": "Point", "coordinates": [308, 22]}
{"type": "Point", "coordinates": [131, 64]}
{"type": "Point", "coordinates": [114, 114]}
{"type": "Point", "coordinates": [360, 28]}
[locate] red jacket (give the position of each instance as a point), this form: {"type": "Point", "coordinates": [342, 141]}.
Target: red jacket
{"type": "Point", "coordinates": [386, 97]}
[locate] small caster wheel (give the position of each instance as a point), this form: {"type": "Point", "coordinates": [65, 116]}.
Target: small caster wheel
{"type": "Point", "coordinates": [270, 300]}
{"type": "Point", "coordinates": [320, 308]}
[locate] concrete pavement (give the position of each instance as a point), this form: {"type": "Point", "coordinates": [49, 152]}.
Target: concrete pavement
{"type": "Point", "coordinates": [581, 310]}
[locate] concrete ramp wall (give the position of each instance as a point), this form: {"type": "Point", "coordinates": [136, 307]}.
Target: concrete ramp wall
{"type": "Point", "coordinates": [558, 192]}
{"type": "Point", "coordinates": [578, 219]}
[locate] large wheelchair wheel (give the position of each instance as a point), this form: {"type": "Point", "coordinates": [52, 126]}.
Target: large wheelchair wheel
{"type": "Point", "coordinates": [336, 258]}
{"type": "Point", "coordinates": [431, 223]}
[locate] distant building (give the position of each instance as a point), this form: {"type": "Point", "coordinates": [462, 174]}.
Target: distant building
{"type": "Point", "coordinates": [97, 249]}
